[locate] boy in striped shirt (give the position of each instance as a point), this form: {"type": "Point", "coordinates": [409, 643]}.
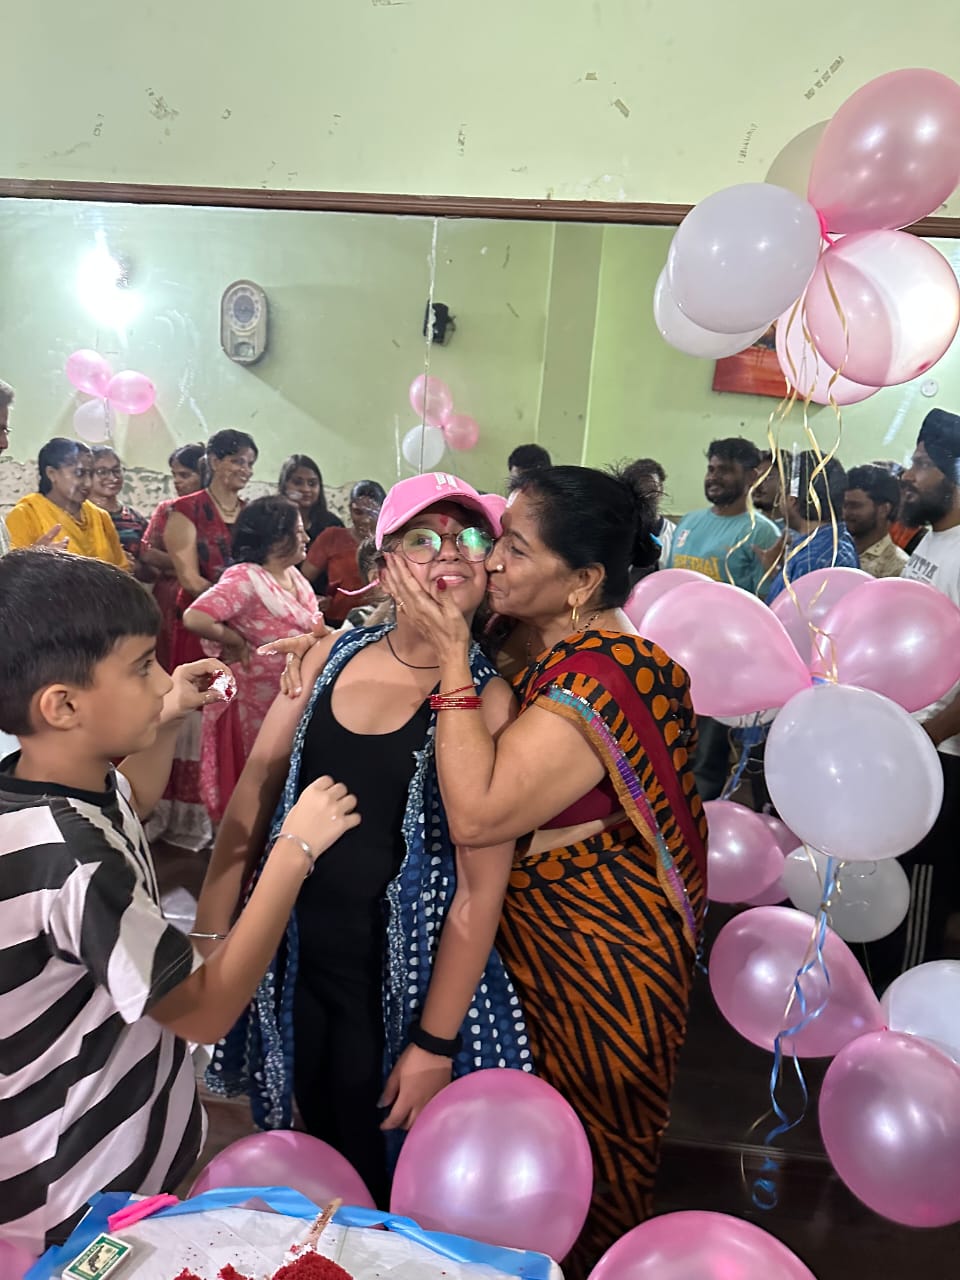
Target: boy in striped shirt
{"type": "Point", "coordinates": [99, 995]}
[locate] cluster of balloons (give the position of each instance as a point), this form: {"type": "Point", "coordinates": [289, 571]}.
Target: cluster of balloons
{"type": "Point", "coordinates": [498, 1156]}
{"type": "Point", "coordinates": [124, 392]}
{"type": "Point", "coordinates": [440, 426]}
{"type": "Point", "coordinates": [872, 309]}
{"type": "Point", "coordinates": [840, 661]}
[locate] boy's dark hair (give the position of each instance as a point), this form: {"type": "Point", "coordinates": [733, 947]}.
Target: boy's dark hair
{"type": "Point", "coordinates": [736, 449]}
{"type": "Point", "coordinates": [369, 489]}
{"type": "Point", "coordinates": [265, 525]}
{"type": "Point", "coordinates": [528, 457]}
{"type": "Point", "coordinates": [879, 484]}
{"type": "Point", "coordinates": [642, 467]}
{"type": "Point", "coordinates": [57, 453]}
{"type": "Point", "coordinates": [60, 615]}
{"type": "Point", "coordinates": [829, 486]}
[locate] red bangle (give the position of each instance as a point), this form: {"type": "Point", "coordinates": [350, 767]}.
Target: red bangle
{"type": "Point", "coordinates": [449, 693]}
{"type": "Point", "coordinates": [444, 702]}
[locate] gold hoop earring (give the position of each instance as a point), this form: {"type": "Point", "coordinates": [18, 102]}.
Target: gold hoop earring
{"type": "Point", "coordinates": [575, 618]}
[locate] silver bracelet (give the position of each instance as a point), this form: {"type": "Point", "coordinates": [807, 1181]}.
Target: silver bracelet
{"type": "Point", "coordinates": [310, 855]}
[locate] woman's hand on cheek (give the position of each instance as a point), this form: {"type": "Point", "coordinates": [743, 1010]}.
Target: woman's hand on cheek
{"type": "Point", "coordinates": [435, 616]}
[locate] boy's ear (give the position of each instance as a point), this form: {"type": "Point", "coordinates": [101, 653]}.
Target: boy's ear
{"type": "Point", "coordinates": [55, 707]}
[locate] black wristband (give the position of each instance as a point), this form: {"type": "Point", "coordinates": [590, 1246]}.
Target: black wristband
{"type": "Point", "coordinates": [433, 1044]}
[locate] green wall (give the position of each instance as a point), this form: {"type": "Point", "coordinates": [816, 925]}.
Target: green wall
{"type": "Point", "coordinates": [346, 296]}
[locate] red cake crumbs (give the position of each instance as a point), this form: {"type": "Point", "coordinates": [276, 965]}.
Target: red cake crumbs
{"type": "Point", "coordinates": [311, 1266]}
{"type": "Point", "coordinates": [230, 1272]}
{"type": "Point", "coordinates": [186, 1275]}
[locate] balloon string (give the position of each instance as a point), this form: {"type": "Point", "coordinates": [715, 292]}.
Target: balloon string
{"type": "Point", "coordinates": [428, 338]}
{"type": "Point", "coordinates": [765, 1195]}
{"type": "Point", "coordinates": [750, 736]}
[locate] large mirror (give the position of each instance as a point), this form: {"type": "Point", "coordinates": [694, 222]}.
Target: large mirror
{"type": "Point", "coordinates": [552, 341]}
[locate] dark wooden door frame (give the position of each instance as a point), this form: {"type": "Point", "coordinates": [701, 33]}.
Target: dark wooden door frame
{"type": "Point", "coordinates": [657, 215]}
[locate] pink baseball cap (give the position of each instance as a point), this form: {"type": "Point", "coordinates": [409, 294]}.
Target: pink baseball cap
{"type": "Point", "coordinates": [408, 498]}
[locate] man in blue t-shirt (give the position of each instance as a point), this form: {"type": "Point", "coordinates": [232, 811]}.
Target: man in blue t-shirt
{"type": "Point", "coordinates": [725, 542]}
{"type": "Point", "coordinates": [812, 507]}
{"type": "Point", "coordinates": [719, 540]}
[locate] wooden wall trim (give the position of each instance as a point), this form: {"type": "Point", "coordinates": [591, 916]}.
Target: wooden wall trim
{"type": "Point", "coordinates": [662, 215]}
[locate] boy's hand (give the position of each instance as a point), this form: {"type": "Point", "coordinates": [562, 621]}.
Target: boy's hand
{"type": "Point", "coordinates": [191, 689]}
{"type": "Point", "coordinates": [323, 813]}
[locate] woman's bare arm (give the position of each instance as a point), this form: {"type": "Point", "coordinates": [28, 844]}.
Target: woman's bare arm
{"type": "Point", "coordinates": [181, 542]}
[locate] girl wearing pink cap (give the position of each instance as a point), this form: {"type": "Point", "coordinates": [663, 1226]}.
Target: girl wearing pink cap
{"type": "Point", "coordinates": [389, 982]}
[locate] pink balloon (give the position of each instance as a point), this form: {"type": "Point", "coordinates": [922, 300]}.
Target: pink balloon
{"type": "Point", "coordinates": [655, 585]}
{"type": "Point", "coordinates": [896, 636]}
{"type": "Point", "coordinates": [899, 298]}
{"type": "Point", "coordinates": [501, 1157]}
{"type": "Point", "coordinates": [14, 1261]}
{"type": "Point", "coordinates": [890, 1121]}
{"type": "Point", "coordinates": [753, 965]}
{"type": "Point", "coordinates": [786, 842]}
{"type": "Point", "coordinates": [88, 371]}
{"type": "Point", "coordinates": [461, 431]}
{"type": "Point", "coordinates": [742, 855]}
{"type": "Point", "coordinates": [696, 1245]}
{"type": "Point", "coordinates": [891, 154]}
{"type": "Point", "coordinates": [816, 593]}
{"type": "Point", "coordinates": [283, 1158]}
{"type": "Point", "coordinates": [806, 369]}
{"type": "Point", "coordinates": [131, 392]}
{"type": "Point", "coordinates": [741, 661]}
{"type": "Point", "coordinates": [432, 400]}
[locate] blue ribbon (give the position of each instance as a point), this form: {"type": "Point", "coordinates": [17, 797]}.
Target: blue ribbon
{"type": "Point", "coordinates": [750, 736]}
{"type": "Point", "coordinates": [764, 1187]}
{"type": "Point", "coordinates": [291, 1204]}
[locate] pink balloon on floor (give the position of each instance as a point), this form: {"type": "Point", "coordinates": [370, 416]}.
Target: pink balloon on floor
{"type": "Point", "coordinates": [131, 392]}
{"type": "Point", "coordinates": [891, 153]}
{"type": "Point", "coordinates": [752, 969]}
{"type": "Point", "coordinates": [890, 1121]}
{"type": "Point", "coordinates": [896, 636]}
{"type": "Point", "coordinates": [501, 1157]}
{"type": "Point", "coordinates": [462, 432]}
{"type": "Point", "coordinates": [14, 1261]}
{"type": "Point", "coordinates": [816, 593]}
{"type": "Point", "coordinates": [653, 586]}
{"type": "Point", "coordinates": [743, 857]}
{"type": "Point", "coordinates": [284, 1158]}
{"type": "Point", "coordinates": [696, 1245]}
{"type": "Point", "coordinates": [89, 372]}
{"type": "Point", "coordinates": [738, 656]}
{"type": "Point", "coordinates": [899, 307]}
{"type": "Point", "coordinates": [807, 370]}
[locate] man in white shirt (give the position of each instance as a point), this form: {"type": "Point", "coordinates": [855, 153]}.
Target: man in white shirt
{"type": "Point", "coordinates": [930, 489]}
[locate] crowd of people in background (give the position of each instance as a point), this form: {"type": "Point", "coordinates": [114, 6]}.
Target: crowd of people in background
{"type": "Point", "coordinates": [482, 835]}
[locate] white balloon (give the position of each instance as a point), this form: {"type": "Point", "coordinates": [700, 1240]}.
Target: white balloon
{"type": "Point", "coordinates": [742, 256]}
{"type": "Point", "coordinates": [925, 1002]}
{"type": "Point", "coordinates": [852, 774]}
{"type": "Point", "coordinates": [690, 338]}
{"type": "Point", "coordinates": [869, 901]}
{"type": "Point", "coordinates": [94, 421]}
{"type": "Point", "coordinates": [423, 447]}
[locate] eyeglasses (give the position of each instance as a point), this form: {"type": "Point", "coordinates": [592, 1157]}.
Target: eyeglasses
{"type": "Point", "coordinates": [104, 473]}
{"type": "Point", "coordinates": [421, 546]}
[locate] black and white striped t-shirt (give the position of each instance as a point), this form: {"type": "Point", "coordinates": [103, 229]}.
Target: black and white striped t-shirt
{"type": "Point", "coordinates": [94, 1095]}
